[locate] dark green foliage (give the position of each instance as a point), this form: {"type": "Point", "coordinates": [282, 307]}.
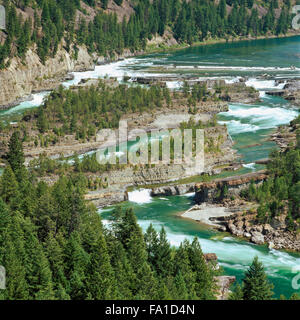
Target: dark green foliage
{"type": "Point", "coordinates": [15, 155]}
{"type": "Point", "coordinates": [281, 192]}
{"type": "Point", "coordinates": [255, 283]}
{"type": "Point", "coordinates": [54, 246]}
{"type": "Point", "coordinates": [237, 293]}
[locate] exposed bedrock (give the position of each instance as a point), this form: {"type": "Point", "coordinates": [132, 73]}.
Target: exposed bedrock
{"type": "Point", "coordinates": [212, 191]}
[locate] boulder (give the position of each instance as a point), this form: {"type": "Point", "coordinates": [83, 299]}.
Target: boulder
{"type": "Point", "coordinates": [257, 237]}
{"type": "Point", "coordinates": [267, 229]}
{"type": "Point", "coordinates": [277, 224]}
{"type": "Point", "coordinates": [210, 257]}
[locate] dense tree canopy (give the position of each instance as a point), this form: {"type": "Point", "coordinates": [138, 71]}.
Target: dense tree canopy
{"type": "Point", "coordinates": [280, 194]}
{"type": "Point", "coordinates": [54, 246]}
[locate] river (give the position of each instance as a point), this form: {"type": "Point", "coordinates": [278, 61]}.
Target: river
{"type": "Point", "coordinates": [247, 124]}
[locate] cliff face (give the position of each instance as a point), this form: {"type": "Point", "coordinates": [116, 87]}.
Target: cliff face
{"type": "Point", "coordinates": [210, 192]}
{"type": "Point", "coordinates": [24, 77]}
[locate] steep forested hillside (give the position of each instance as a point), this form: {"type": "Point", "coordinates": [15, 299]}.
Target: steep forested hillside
{"type": "Point", "coordinates": [280, 194]}
{"type": "Point", "coordinates": [109, 26]}
{"type": "Point", "coordinates": [54, 246]}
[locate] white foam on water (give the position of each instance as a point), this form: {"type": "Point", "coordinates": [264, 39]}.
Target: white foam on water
{"type": "Point", "coordinates": [243, 253]}
{"type": "Point", "coordinates": [260, 84]}
{"type": "Point", "coordinates": [106, 222]}
{"type": "Point", "coordinates": [261, 117]}
{"type": "Point", "coordinates": [232, 80]}
{"type": "Point", "coordinates": [190, 194]}
{"type": "Point", "coordinates": [37, 100]}
{"type": "Point", "coordinates": [236, 126]}
{"type": "Point", "coordinates": [117, 70]}
{"type": "Point", "coordinates": [101, 210]}
{"type": "Point", "coordinates": [262, 94]}
{"type": "Point", "coordinates": [140, 196]}
{"type": "Point", "coordinates": [234, 266]}
{"type": "Point", "coordinates": [281, 85]}
{"type": "Point", "coordinates": [249, 166]}
{"type": "Point", "coordinates": [187, 67]}
{"type": "Point", "coordinates": [240, 68]}
{"type": "Point", "coordinates": [174, 84]}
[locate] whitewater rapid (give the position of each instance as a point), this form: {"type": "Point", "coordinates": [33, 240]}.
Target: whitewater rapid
{"type": "Point", "coordinates": [140, 67]}
{"type": "Point", "coordinates": [231, 252]}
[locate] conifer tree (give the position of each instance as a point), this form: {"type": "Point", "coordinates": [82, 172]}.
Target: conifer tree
{"type": "Point", "coordinates": [15, 154]}
{"type": "Point", "coordinates": [255, 283]}
{"type": "Point", "coordinates": [9, 185]}
{"type": "Point", "coordinates": [237, 293]}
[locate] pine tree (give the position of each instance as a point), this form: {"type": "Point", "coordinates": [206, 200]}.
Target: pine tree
{"type": "Point", "coordinates": [163, 259]}
{"type": "Point", "coordinates": [204, 285]}
{"type": "Point", "coordinates": [15, 154]}
{"type": "Point", "coordinates": [151, 240]}
{"type": "Point", "coordinates": [75, 265]}
{"type": "Point", "coordinates": [12, 254]}
{"type": "Point", "coordinates": [255, 283]}
{"type": "Point", "coordinates": [237, 293]}
{"type": "Point", "coordinates": [9, 185]}
{"type": "Point", "coordinates": [38, 273]}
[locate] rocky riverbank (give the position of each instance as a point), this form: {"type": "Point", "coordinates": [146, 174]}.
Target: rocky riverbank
{"type": "Point", "coordinates": [285, 136]}
{"type": "Point", "coordinates": [226, 211]}
{"type": "Point", "coordinates": [276, 234]}
{"type": "Point", "coordinates": [237, 217]}
{"type": "Point", "coordinates": [290, 91]}
{"type": "Point", "coordinates": [30, 75]}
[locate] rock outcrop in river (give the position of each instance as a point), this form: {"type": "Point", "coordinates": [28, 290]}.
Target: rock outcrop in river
{"type": "Point", "coordinates": [228, 187]}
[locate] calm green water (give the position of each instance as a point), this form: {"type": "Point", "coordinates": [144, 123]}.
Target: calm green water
{"type": "Point", "coordinates": [245, 58]}
{"type": "Point", "coordinates": [247, 124]}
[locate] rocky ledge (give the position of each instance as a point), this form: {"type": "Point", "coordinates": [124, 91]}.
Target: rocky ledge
{"type": "Point", "coordinates": [229, 92]}
{"type": "Point", "coordinates": [290, 91]}
{"type": "Point", "coordinates": [285, 135]}
{"type": "Point", "coordinates": [213, 191]}
{"type": "Point", "coordinates": [276, 234]}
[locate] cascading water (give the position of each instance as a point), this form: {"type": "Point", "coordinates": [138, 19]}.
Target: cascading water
{"type": "Point", "coordinates": [140, 196]}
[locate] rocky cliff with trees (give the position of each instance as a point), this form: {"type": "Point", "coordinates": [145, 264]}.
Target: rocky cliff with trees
{"type": "Point", "coordinates": [55, 37]}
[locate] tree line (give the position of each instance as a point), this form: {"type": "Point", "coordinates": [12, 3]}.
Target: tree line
{"type": "Point", "coordinates": [192, 21]}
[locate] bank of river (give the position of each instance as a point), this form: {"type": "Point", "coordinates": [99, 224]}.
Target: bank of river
{"type": "Point", "coordinates": [249, 125]}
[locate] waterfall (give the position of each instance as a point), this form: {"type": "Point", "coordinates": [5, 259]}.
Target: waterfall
{"type": "Point", "coordinates": [140, 196]}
